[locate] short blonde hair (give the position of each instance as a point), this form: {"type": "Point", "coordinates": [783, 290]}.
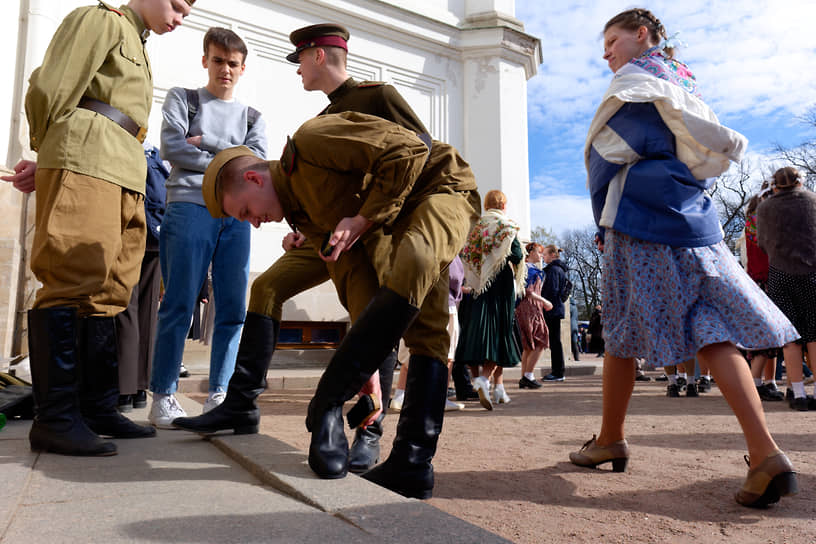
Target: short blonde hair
{"type": "Point", "coordinates": [495, 200]}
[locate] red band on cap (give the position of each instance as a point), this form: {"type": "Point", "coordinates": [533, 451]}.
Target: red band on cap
{"type": "Point", "coordinates": [335, 41]}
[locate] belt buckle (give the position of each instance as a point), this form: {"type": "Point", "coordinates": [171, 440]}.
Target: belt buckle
{"type": "Point", "coordinates": [141, 135]}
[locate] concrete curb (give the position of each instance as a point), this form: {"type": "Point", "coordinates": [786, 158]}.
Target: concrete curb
{"type": "Point", "coordinates": [370, 508]}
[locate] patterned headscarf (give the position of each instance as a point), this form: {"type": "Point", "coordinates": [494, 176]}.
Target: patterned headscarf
{"type": "Point", "coordinates": [485, 254]}
{"type": "Point", "coordinates": [655, 62]}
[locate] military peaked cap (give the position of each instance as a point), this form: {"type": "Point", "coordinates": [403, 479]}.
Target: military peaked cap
{"type": "Point", "coordinates": [329, 34]}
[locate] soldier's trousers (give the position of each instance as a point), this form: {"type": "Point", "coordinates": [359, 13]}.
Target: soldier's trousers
{"type": "Point", "coordinates": [89, 240]}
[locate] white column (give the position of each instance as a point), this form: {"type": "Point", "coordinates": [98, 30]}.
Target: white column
{"type": "Point", "coordinates": [499, 59]}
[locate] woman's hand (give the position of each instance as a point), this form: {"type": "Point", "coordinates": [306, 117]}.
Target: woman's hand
{"type": "Point", "coordinates": [345, 234]}
{"type": "Point", "coordinates": [23, 178]}
{"type": "Point", "coordinates": [372, 386]}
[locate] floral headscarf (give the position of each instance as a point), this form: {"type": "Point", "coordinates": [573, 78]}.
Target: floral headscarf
{"type": "Point", "coordinates": [485, 254]}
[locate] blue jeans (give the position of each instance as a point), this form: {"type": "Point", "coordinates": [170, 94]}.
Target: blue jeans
{"type": "Point", "coordinates": [189, 240]}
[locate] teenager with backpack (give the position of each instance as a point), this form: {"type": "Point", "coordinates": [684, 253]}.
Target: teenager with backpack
{"type": "Point", "coordinates": [556, 289]}
{"type": "Point", "coordinates": [196, 125]}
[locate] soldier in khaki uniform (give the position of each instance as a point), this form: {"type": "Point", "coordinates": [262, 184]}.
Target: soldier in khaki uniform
{"type": "Point", "coordinates": [345, 174]}
{"type": "Point", "coordinates": [321, 52]}
{"type": "Point", "coordinates": [87, 107]}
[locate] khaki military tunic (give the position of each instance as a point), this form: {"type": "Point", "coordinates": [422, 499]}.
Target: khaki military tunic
{"type": "Point", "coordinates": [301, 268]}
{"type": "Point", "coordinates": [342, 165]}
{"type": "Point", "coordinates": [96, 53]}
{"type": "Point", "coordinates": [90, 225]}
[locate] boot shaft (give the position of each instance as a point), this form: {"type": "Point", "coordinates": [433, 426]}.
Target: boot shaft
{"type": "Point", "coordinates": [259, 338]}
{"type": "Point", "coordinates": [369, 341]}
{"type": "Point", "coordinates": [99, 361]}
{"type": "Point", "coordinates": [52, 339]}
{"type": "Point", "coordinates": [423, 410]}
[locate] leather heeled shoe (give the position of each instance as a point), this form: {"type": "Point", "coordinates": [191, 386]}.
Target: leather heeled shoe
{"type": "Point", "coordinates": [770, 480]}
{"type": "Point", "coordinates": [591, 455]}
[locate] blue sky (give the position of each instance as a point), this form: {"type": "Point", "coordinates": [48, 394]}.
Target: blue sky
{"type": "Point", "coordinates": [755, 62]}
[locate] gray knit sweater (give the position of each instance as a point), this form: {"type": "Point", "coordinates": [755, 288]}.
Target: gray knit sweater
{"type": "Point", "coordinates": [220, 123]}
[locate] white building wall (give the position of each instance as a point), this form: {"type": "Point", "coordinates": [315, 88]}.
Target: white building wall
{"type": "Point", "coordinates": [467, 86]}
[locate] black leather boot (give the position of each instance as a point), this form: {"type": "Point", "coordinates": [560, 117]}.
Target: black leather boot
{"type": "Point", "coordinates": [365, 450]}
{"type": "Point", "coordinates": [58, 425]}
{"type": "Point", "coordinates": [461, 382]}
{"type": "Point", "coordinates": [368, 342]}
{"type": "Point", "coordinates": [408, 469]}
{"type": "Point", "coordinates": [239, 410]}
{"type": "Point", "coordinates": [99, 388]}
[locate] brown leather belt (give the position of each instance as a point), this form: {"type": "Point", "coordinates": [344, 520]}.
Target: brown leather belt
{"type": "Point", "coordinates": [131, 126]}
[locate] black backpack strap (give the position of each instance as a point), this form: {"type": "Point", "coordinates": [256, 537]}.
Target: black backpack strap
{"type": "Point", "coordinates": [252, 117]}
{"type": "Point", "coordinates": [192, 106]}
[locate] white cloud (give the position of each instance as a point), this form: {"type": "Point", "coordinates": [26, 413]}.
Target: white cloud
{"type": "Point", "coordinates": [560, 212]}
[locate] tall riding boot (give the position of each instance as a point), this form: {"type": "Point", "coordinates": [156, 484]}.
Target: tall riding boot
{"type": "Point", "coordinates": [408, 469]}
{"type": "Point", "coordinates": [365, 450]}
{"type": "Point", "coordinates": [461, 382]}
{"type": "Point", "coordinates": [239, 410]}
{"type": "Point", "coordinates": [99, 388]}
{"type": "Point", "coordinates": [58, 425]}
{"type": "Point", "coordinates": [369, 340]}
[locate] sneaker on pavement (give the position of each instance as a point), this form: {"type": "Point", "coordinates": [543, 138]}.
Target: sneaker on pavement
{"type": "Point", "coordinates": [164, 410]}
{"type": "Point", "coordinates": [451, 406]}
{"type": "Point", "coordinates": [213, 400]}
{"type": "Point", "coordinates": [183, 372]}
{"type": "Point", "coordinates": [553, 378]}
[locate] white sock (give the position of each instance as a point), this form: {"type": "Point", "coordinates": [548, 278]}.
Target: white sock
{"type": "Point", "coordinates": [707, 376]}
{"type": "Point", "coordinates": [798, 389]}
{"type": "Point", "coordinates": [500, 389]}
{"type": "Point", "coordinates": [772, 381]}
{"type": "Point", "coordinates": [757, 381]}
{"type": "Point", "coordinates": [672, 379]}
{"type": "Point", "coordinates": [530, 376]}
{"type": "Point", "coordinates": [683, 375]}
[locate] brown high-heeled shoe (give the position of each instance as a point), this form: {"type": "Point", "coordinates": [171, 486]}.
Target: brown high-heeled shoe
{"type": "Point", "coordinates": [591, 455]}
{"type": "Point", "coordinates": [771, 479]}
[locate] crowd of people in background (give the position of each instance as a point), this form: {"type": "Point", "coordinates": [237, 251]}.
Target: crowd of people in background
{"type": "Point", "coordinates": [673, 295]}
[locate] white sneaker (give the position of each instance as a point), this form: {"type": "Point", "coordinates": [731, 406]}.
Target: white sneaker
{"type": "Point", "coordinates": [213, 400]}
{"type": "Point", "coordinates": [482, 387]}
{"type": "Point", "coordinates": [451, 406]}
{"type": "Point", "coordinates": [501, 395]}
{"type": "Point", "coordinates": [396, 401]}
{"type": "Point", "coordinates": [164, 410]}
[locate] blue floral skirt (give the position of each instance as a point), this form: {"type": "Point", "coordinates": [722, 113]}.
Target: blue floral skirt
{"type": "Point", "coordinates": [666, 303]}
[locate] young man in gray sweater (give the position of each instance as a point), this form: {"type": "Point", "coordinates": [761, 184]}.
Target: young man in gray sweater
{"type": "Point", "coordinates": [197, 124]}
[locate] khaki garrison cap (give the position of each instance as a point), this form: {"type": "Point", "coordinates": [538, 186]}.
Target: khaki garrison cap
{"type": "Point", "coordinates": [211, 187]}
{"type": "Point", "coordinates": [316, 35]}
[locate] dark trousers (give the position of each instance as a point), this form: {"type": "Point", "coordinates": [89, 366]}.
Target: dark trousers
{"type": "Point", "coordinates": [136, 328]}
{"type": "Point", "coordinates": [556, 349]}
